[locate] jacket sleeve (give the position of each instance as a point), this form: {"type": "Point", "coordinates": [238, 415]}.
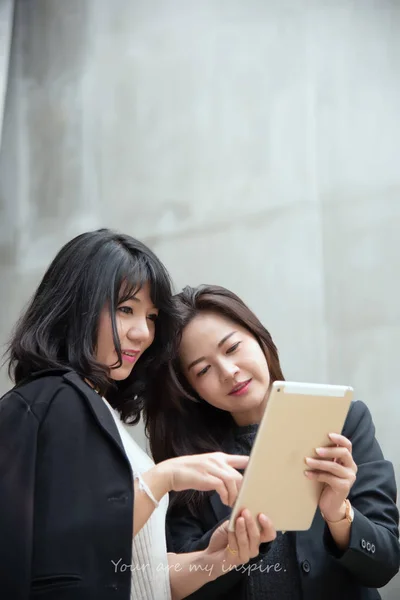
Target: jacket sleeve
{"type": "Point", "coordinates": [18, 440]}
{"type": "Point", "coordinates": [373, 554]}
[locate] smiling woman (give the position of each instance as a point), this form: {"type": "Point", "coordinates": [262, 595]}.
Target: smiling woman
{"type": "Point", "coordinates": [98, 283]}
{"type": "Point", "coordinates": [78, 495]}
{"type": "Point", "coordinates": [232, 373]}
{"type": "Point", "coordinates": [214, 393]}
{"type": "Point", "coordinates": [135, 322]}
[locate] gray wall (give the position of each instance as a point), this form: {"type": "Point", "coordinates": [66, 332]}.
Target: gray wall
{"type": "Point", "coordinates": [252, 144]}
{"type": "Point", "coordinates": [6, 23]}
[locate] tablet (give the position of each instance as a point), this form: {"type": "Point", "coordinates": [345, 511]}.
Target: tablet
{"type": "Point", "coordinates": [297, 419]}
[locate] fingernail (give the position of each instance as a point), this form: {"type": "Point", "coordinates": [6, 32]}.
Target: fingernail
{"type": "Point", "coordinates": [308, 473]}
{"type": "Point", "coordinates": [308, 460]}
{"type": "Point", "coordinates": [333, 435]}
{"type": "Point", "coordinates": [320, 450]}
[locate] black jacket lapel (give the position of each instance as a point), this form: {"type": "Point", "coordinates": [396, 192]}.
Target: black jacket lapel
{"type": "Point", "coordinates": [98, 408]}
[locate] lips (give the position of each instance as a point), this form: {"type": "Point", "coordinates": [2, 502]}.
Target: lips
{"type": "Point", "coordinates": [240, 388]}
{"type": "Point", "coordinates": [130, 355]}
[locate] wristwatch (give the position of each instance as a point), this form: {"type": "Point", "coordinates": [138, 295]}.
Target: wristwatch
{"type": "Point", "coordinates": [349, 515]}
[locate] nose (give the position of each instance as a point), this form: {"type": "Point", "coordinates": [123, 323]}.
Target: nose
{"type": "Point", "coordinates": [140, 332]}
{"type": "Point", "coordinates": [228, 370]}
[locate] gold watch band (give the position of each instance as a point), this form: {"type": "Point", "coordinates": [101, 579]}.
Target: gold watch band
{"type": "Point", "coordinates": [349, 514]}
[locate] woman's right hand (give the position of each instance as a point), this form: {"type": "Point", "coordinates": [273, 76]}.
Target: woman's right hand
{"type": "Point", "coordinates": [206, 472]}
{"type": "Point", "coordinates": [202, 472]}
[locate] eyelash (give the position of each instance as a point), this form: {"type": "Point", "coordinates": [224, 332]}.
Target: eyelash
{"type": "Point", "coordinates": [230, 350]}
{"type": "Point", "coordinates": [127, 310]}
{"type": "Point", "coordinates": [202, 372]}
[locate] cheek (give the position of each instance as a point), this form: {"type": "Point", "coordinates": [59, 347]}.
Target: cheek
{"type": "Point", "coordinates": [194, 384]}
{"type": "Point", "coordinates": [152, 333]}
{"type": "Point", "coordinates": [121, 331]}
{"type": "Point", "coordinates": [263, 366]}
{"type": "Point", "coordinates": [209, 389]}
{"type": "Point", "coordinates": [200, 386]}
{"type": "Point", "coordinates": [257, 363]}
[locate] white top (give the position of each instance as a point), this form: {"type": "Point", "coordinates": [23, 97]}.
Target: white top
{"type": "Point", "coordinates": [150, 574]}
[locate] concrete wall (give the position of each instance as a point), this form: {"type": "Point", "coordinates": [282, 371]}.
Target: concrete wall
{"type": "Point", "coordinates": [252, 144]}
{"type": "Point", "coordinates": [6, 23]}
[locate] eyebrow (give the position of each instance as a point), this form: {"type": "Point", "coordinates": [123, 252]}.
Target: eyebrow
{"type": "Point", "coordinates": [198, 360]}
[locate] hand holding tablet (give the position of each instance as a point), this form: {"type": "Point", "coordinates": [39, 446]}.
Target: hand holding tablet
{"type": "Point", "coordinates": [298, 419]}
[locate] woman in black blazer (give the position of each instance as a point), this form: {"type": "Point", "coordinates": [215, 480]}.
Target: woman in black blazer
{"type": "Point", "coordinates": [215, 392]}
{"type": "Point", "coordinates": [76, 491]}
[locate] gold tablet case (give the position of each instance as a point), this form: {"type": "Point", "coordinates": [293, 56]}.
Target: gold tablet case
{"type": "Point", "coordinates": [297, 419]}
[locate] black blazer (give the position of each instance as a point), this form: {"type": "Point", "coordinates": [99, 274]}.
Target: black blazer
{"type": "Point", "coordinates": [66, 494]}
{"type": "Point", "coordinates": [373, 555]}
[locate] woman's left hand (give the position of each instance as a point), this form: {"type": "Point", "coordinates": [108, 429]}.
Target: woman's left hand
{"type": "Point", "coordinates": [227, 549]}
{"type": "Point", "coordinates": [337, 469]}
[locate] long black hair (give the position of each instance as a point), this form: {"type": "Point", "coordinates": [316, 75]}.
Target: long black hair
{"type": "Point", "coordinates": [59, 328]}
{"type": "Point", "coordinates": [179, 422]}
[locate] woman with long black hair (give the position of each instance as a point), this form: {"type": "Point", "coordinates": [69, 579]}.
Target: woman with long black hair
{"type": "Point", "coordinates": [82, 507]}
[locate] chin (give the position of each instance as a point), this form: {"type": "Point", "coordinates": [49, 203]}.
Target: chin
{"type": "Point", "coordinates": [120, 374]}
{"type": "Point", "coordinates": [250, 404]}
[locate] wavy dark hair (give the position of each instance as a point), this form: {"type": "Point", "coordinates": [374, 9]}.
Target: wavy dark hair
{"type": "Point", "coordinates": [59, 328]}
{"type": "Point", "coordinates": [179, 422]}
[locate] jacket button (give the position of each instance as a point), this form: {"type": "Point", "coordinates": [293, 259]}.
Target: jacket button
{"type": "Point", "coordinates": [363, 544]}
{"type": "Point", "coordinates": [372, 548]}
{"type": "Point", "coordinates": [305, 565]}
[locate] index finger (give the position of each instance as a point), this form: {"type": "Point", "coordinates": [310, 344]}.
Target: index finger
{"type": "Point", "coordinates": [237, 461]}
{"type": "Point", "coordinates": [340, 440]}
